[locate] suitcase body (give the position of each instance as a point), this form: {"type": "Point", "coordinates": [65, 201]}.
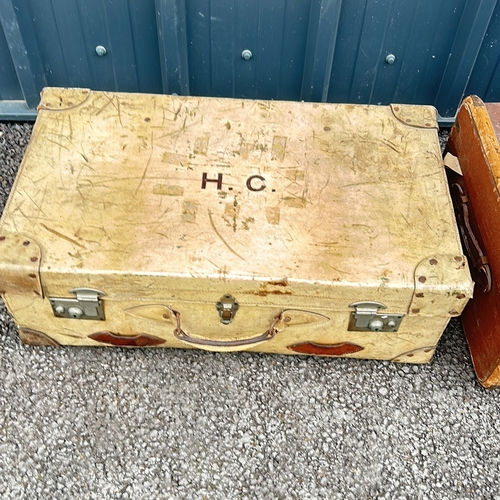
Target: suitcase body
{"type": "Point", "coordinates": [475, 189]}
{"type": "Point", "coordinates": [225, 224]}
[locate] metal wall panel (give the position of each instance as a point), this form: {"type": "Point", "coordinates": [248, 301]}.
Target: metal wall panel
{"type": "Point", "coordinates": [9, 84]}
{"type": "Point", "coordinates": [485, 78]}
{"type": "Point", "coordinates": [313, 50]}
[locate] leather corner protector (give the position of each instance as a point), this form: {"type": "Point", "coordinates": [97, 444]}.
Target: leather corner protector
{"type": "Point", "coordinates": [20, 259]}
{"type": "Point", "coordinates": [416, 116]}
{"type": "Point", "coordinates": [34, 337]}
{"type": "Point", "coordinates": [443, 286]}
{"type": "Point", "coordinates": [421, 355]}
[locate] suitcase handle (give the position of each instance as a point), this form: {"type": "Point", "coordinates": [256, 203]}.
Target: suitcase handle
{"type": "Point", "coordinates": [227, 345]}
{"type": "Point", "coordinates": [473, 249]}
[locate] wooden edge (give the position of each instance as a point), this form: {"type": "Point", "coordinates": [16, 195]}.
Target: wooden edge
{"type": "Point", "coordinates": [478, 112]}
{"type": "Point", "coordinates": [474, 142]}
{"type": "Point", "coordinates": [61, 99]}
{"type": "Point", "coordinates": [416, 116]}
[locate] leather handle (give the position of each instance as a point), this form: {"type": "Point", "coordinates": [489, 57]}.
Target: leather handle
{"type": "Point", "coordinates": [226, 345]}
{"type": "Point", "coordinates": [472, 247]}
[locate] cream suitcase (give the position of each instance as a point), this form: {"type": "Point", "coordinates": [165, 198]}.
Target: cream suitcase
{"type": "Point", "coordinates": [224, 224]}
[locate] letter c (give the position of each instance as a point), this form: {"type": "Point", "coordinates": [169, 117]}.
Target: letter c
{"type": "Point", "coordinates": [262, 185]}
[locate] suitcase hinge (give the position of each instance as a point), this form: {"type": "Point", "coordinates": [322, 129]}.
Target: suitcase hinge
{"type": "Point", "coordinates": [367, 318]}
{"type": "Point", "coordinates": [86, 305]}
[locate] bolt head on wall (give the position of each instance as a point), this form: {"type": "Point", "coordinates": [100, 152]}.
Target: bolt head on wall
{"type": "Point", "coordinates": [100, 50]}
{"type": "Point", "coordinates": [247, 54]}
{"type": "Point", "coordinates": [390, 59]}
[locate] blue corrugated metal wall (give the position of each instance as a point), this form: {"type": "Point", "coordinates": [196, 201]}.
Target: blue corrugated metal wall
{"type": "Point", "coordinates": [314, 50]}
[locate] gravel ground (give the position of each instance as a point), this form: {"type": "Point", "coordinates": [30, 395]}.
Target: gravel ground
{"type": "Point", "coordinates": [110, 423]}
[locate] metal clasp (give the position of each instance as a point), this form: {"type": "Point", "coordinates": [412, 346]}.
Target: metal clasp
{"type": "Point", "coordinates": [227, 307]}
{"type": "Point", "coordinates": [86, 305]}
{"type": "Point", "coordinates": [367, 318]}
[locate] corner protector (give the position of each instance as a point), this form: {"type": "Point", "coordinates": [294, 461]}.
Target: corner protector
{"type": "Point", "coordinates": [421, 355]}
{"type": "Point", "coordinates": [61, 99]}
{"type": "Point", "coordinates": [443, 286]}
{"type": "Point", "coordinates": [20, 260]}
{"type": "Point", "coordinates": [416, 116]}
{"type": "Point", "coordinates": [34, 337]}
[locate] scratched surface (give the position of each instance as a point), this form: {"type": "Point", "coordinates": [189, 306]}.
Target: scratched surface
{"type": "Point", "coordinates": [296, 209]}
{"type": "Point", "coordinates": [249, 189]}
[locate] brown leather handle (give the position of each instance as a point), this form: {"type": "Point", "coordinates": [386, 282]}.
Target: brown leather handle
{"type": "Point", "coordinates": [472, 247]}
{"type": "Point", "coordinates": [226, 345]}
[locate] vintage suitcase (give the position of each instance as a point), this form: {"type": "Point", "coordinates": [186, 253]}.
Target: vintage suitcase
{"type": "Point", "coordinates": [474, 161]}
{"type": "Point", "coordinates": [223, 224]}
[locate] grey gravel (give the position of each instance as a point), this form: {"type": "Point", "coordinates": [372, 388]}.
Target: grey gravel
{"type": "Point", "coordinates": [110, 423]}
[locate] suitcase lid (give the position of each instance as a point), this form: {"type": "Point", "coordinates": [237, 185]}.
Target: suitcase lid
{"type": "Point", "coordinates": [153, 195]}
{"type": "Point", "coordinates": [474, 139]}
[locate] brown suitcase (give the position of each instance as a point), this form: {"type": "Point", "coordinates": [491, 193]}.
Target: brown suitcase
{"type": "Point", "coordinates": [224, 224]}
{"type": "Point", "coordinates": [474, 177]}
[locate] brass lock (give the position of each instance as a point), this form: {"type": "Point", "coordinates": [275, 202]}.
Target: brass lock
{"type": "Point", "coordinates": [227, 307]}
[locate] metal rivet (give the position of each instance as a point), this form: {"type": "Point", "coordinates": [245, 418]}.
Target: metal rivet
{"type": "Point", "coordinates": [415, 311]}
{"type": "Point", "coordinates": [422, 279]}
{"type": "Point", "coordinates": [100, 50]}
{"type": "Point", "coordinates": [75, 312]}
{"type": "Point", "coordinates": [376, 325]}
{"type": "Point", "coordinates": [390, 59]}
{"type": "Point", "coordinates": [247, 54]}
{"type": "Point", "coordinates": [34, 259]}
{"type": "Point", "coordinates": [433, 262]}
{"type": "Point", "coordinates": [26, 243]}
{"type": "Point", "coordinates": [59, 310]}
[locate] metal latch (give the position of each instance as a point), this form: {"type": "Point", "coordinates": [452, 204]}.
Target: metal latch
{"type": "Point", "coordinates": [86, 305]}
{"type": "Point", "coordinates": [367, 318]}
{"type": "Point", "coordinates": [227, 307]}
